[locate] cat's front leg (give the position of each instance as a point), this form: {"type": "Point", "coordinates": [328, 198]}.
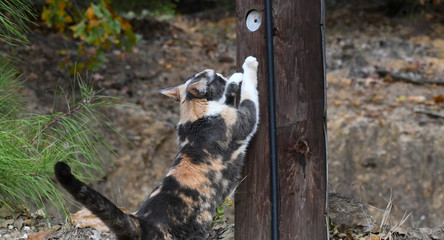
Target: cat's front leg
{"type": "Point", "coordinates": [249, 84]}
{"type": "Point", "coordinates": [232, 89]}
{"type": "Point", "coordinates": [248, 111]}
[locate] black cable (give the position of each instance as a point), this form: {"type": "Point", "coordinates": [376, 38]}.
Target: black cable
{"type": "Point", "coordinates": [272, 118]}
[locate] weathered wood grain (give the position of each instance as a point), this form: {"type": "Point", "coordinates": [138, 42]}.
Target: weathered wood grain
{"type": "Point", "coordinates": [300, 118]}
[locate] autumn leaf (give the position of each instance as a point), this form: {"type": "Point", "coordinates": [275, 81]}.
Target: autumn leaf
{"type": "Point", "coordinates": [416, 99]}
{"type": "Point", "coordinates": [401, 99]}
{"type": "Point", "coordinates": [62, 5]}
{"type": "Point", "coordinates": [90, 13]}
{"type": "Point", "coordinates": [438, 99]}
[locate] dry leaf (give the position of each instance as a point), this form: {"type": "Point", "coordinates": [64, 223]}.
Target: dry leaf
{"type": "Point", "coordinates": [98, 76]}
{"type": "Point", "coordinates": [338, 80]}
{"type": "Point", "coordinates": [372, 237]}
{"type": "Point", "coordinates": [42, 235]}
{"type": "Point", "coordinates": [423, 40]}
{"type": "Point", "coordinates": [84, 218]}
{"type": "Point", "coordinates": [438, 99]}
{"type": "Point", "coordinates": [416, 99]}
{"type": "Point", "coordinates": [388, 78]}
{"type": "Point", "coordinates": [400, 99]}
{"type": "Point", "coordinates": [439, 44]}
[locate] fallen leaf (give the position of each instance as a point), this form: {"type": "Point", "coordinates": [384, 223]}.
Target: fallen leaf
{"type": "Point", "coordinates": [438, 99]}
{"type": "Point", "coordinates": [356, 103]}
{"type": "Point", "coordinates": [42, 235]}
{"type": "Point", "coordinates": [98, 76]}
{"type": "Point", "coordinates": [18, 223]}
{"type": "Point", "coordinates": [439, 44]}
{"type": "Point", "coordinates": [5, 222]}
{"type": "Point", "coordinates": [423, 40]}
{"type": "Point", "coordinates": [33, 76]}
{"type": "Point", "coordinates": [372, 237]}
{"type": "Point", "coordinates": [5, 212]}
{"type": "Point", "coordinates": [416, 99]}
{"type": "Point", "coordinates": [84, 218]}
{"type": "Point", "coordinates": [338, 80]}
{"type": "Point", "coordinates": [388, 78]}
{"type": "Point", "coordinates": [401, 99]}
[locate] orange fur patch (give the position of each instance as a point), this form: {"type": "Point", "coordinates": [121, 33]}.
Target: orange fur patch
{"type": "Point", "coordinates": [229, 115]}
{"type": "Point", "coordinates": [192, 110]}
{"type": "Point", "coordinates": [192, 176]}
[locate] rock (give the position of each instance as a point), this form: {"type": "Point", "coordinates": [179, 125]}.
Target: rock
{"type": "Point", "coordinates": [5, 222]}
{"type": "Point", "coordinates": [349, 214]}
{"type": "Point", "coordinates": [370, 157]}
{"type": "Point", "coordinates": [437, 233]}
{"type": "Point", "coordinates": [5, 212]}
{"type": "Point", "coordinates": [18, 223]}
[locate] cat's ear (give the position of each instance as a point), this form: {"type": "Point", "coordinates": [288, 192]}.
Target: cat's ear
{"type": "Point", "coordinates": [172, 92]}
{"type": "Point", "coordinates": [197, 89]}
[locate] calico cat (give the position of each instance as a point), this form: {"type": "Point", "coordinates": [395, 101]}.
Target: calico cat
{"type": "Point", "coordinates": [212, 136]}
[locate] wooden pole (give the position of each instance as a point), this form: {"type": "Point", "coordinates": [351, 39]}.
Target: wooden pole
{"type": "Point", "coordinates": [299, 73]}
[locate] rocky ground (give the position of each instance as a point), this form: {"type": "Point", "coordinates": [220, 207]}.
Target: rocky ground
{"type": "Point", "coordinates": [384, 132]}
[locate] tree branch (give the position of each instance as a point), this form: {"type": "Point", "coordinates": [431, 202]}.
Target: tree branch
{"type": "Point", "coordinates": [404, 78]}
{"type": "Point", "coordinates": [429, 113]}
{"type": "Point", "coordinates": [85, 103]}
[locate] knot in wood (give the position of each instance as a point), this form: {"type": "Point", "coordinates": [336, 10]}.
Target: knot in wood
{"type": "Point", "coordinates": [302, 147]}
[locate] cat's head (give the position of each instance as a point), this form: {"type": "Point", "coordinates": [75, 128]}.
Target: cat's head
{"type": "Point", "coordinates": [204, 86]}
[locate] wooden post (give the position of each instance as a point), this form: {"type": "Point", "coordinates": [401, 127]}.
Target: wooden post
{"type": "Point", "coordinates": [300, 123]}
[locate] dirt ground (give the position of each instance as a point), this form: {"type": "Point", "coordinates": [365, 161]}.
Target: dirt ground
{"type": "Point", "coordinates": [369, 68]}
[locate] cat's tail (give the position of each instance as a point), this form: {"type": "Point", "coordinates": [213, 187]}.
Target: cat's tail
{"type": "Point", "coordinates": [123, 225]}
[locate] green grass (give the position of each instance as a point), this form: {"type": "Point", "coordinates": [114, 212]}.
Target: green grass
{"type": "Point", "coordinates": [14, 20]}
{"type": "Point", "coordinates": [31, 144]}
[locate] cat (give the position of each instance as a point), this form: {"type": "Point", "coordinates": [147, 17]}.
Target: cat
{"type": "Point", "coordinates": [212, 136]}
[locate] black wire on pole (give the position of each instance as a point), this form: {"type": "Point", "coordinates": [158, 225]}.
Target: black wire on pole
{"type": "Point", "coordinates": [272, 116]}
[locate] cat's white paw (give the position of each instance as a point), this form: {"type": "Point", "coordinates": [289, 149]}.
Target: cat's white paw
{"type": "Point", "coordinates": [250, 63]}
{"type": "Point", "coordinates": [236, 78]}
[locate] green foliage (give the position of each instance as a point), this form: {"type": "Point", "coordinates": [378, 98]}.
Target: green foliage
{"type": "Point", "coordinates": [9, 86]}
{"type": "Point", "coordinates": [14, 18]}
{"type": "Point", "coordinates": [31, 144]}
{"type": "Point", "coordinates": [55, 15]}
{"type": "Point", "coordinates": [156, 7]}
{"type": "Point", "coordinates": [220, 211]}
{"type": "Point", "coordinates": [220, 228]}
{"type": "Point", "coordinates": [98, 25]}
